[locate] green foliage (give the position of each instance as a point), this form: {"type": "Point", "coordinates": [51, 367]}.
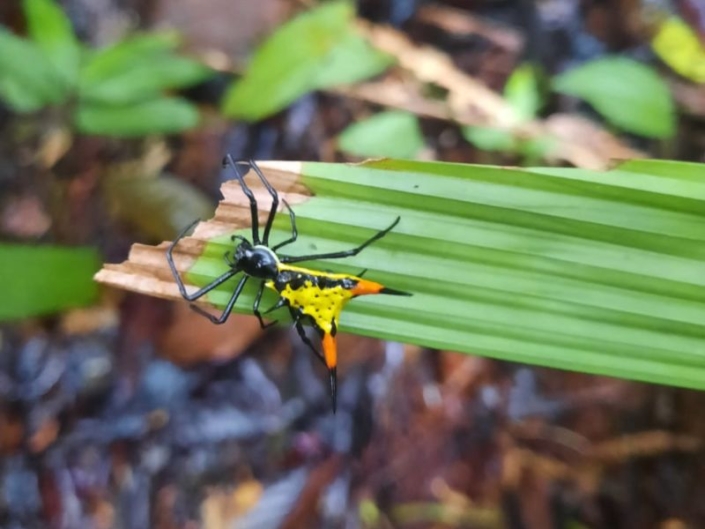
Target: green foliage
{"type": "Point", "coordinates": [394, 134]}
{"type": "Point", "coordinates": [317, 49]}
{"type": "Point", "coordinates": [136, 72]}
{"type": "Point", "coordinates": [523, 93]}
{"type": "Point", "coordinates": [627, 93]}
{"type": "Point", "coordinates": [41, 280]}
{"type": "Point", "coordinates": [531, 150]}
{"type": "Point", "coordinates": [589, 271]}
{"type": "Point", "coordinates": [161, 115]}
{"type": "Point", "coordinates": [116, 91]}
{"type": "Point", "coordinates": [27, 79]}
{"type": "Point", "coordinates": [49, 28]}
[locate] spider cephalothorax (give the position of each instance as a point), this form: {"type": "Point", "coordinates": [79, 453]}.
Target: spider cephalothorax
{"type": "Point", "coordinates": [256, 261]}
{"type": "Point", "coordinates": [310, 295]}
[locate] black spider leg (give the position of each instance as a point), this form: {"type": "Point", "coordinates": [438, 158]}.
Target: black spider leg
{"type": "Point", "coordinates": [296, 316]}
{"type": "Point", "coordinates": [228, 308]}
{"type": "Point", "coordinates": [345, 253]}
{"type": "Point", "coordinates": [255, 308]}
{"type": "Point", "coordinates": [275, 202]}
{"type": "Point", "coordinates": [182, 288]}
{"type": "Point", "coordinates": [229, 162]}
{"type": "Point", "coordinates": [332, 372]}
{"type": "Point", "coordinates": [294, 231]}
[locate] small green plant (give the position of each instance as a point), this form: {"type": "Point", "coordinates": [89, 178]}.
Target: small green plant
{"type": "Point", "coordinates": [115, 91]}
{"type": "Point", "coordinates": [318, 49]}
{"type": "Point", "coordinates": [523, 93]}
{"type": "Point", "coordinates": [393, 134]}
{"type": "Point", "coordinates": [30, 290]}
{"type": "Point", "coordinates": [629, 95]}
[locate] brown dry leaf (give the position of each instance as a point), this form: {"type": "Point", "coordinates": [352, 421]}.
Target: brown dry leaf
{"type": "Point", "coordinates": [470, 102]}
{"type": "Point", "coordinates": [191, 338]}
{"type": "Point", "coordinates": [404, 94]}
{"type": "Point", "coordinates": [461, 22]}
{"type": "Point", "coordinates": [585, 144]}
{"type": "Point", "coordinates": [643, 444]}
{"type": "Point", "coordinates": [146, 270]}
{"type": "Point", "coordinates": [92, 319]}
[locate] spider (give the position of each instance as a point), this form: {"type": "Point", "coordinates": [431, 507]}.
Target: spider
{"type": "Point", "coordinates": [310, 295]}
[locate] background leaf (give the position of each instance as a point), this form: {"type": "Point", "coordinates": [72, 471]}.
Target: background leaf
{"type": "Point", "coordinates": [352, 60]}
{"type": "Point", "coordinates": [44, 279]}
{"type": "Point", "coordinates": [490, 138]}
{"type": "Point", "coordinates": [159, 116]}
{"type": "Point", "coordinates": [395, 134]}
{"type": "Point", "coordinates": [27, 79]}
{"type": "Point", "coordinates": [522, 92]}
{"type": "Point", "coordinates": [628, 94]}
{"type": "Point", "coordinates": [51, 29]}
{"type": "Point", "coordinates": [119, 58]}
{"type": "Point", "coordinates": [146, 78]}
{"type": "Point", "coordinates": [318, 48]}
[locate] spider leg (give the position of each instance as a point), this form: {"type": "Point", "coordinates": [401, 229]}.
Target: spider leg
{"type": "Point", "coordinates": [302, 334]}
{"type": "Point", "coordinates": [340, 255]}
{"type": "Point", "coordinates": [229, 162]}
{"type": "Point", "coordinates": [275, 202]}
{"type": "Point", "coordinates": [294, 231]}
{"type": "Point", "coordinates": [279, 304]}
{"type": "Point", "coordinates": [182, 288]}
{"type": "Point", "coordinates": [328, 341]}
{"type": "Point", "coordinates": [255, 308]}
{"type": "Point", "coordinates": [228, 308]}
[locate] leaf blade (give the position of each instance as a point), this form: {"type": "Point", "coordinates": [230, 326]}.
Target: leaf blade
{"type": "Point", "coordinates": [158, 116]}
{"type": "Point", "coordinates": [318, 48]}
{"type": "Point", "coordinates": [41, 280]}
{"type": "Point", "coordinates": [28, 80]}
{"type": "Point", "coordinates": [395, 134]}
{"type": "Point", "coordinates": [51, 29]}
{"type": "Point", "coordinates": [604, 284]}
{"type": "Point", "coordinates": [627, 93]}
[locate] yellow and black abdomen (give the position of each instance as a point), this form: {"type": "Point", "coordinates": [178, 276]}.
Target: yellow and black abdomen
{"type": "Point", "coordinates": [318, 295]}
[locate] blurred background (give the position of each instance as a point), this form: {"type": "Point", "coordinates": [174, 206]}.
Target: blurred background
{"type": "Point", "coordinates": [126, 411]}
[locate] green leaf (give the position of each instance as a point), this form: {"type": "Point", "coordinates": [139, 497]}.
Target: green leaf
{"type": "Point", "coordinates": [352, 60]}
{"type": "Point", "coordinates": [628, 94]}
{"type": "Point", "coordinates": [41, 280]}
{"type": "Point", "coordinates": [533, 150]}
{"type": "Point", "coordinates": [51, 29]}
{"type": "Point", "coordinates": [490, 138]}
{"type": "Point", "coordinates": [319, 48]}
{"type": "Point", "coordinates": [393, 134]}
{"type": "Point", "coordinates": [119, 59]}
{"type": "Point", "coordinates": [589, 271]}
{"type": "Point", "coordinates": [159, 116]}
{"type": "Point", "coordinates": [27, 80]}
{"type": "Point", "coordinates": [146, 78]}
{"type": "Point", "coordinates": [522, 92]}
